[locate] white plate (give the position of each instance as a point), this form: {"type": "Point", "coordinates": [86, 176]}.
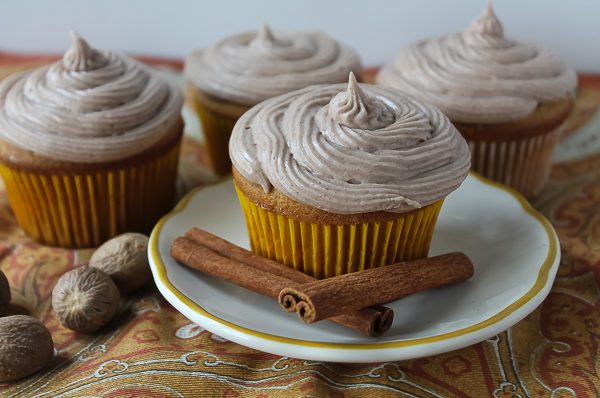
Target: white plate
{"type": "Point", "coordinates": [514, 250]}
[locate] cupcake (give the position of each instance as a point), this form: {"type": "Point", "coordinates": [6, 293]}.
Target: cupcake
{"type": "Point", "coordinates": [507, 98]}
{"type": "Point", "coordinates": [335, 179]}
{"type": "Point", "coordinates": [227, 79]}
{"type": "Point", "coordinates": [89, 146]}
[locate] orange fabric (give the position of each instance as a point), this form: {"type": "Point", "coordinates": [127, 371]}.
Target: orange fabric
{"type": "Point", "coordinates": [150, 350]}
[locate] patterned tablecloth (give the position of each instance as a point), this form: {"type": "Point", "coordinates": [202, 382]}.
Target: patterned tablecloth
{"type": "Point", "coordinates": [151, 350]}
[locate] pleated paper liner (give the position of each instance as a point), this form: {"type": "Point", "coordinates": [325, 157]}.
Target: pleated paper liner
{"type": "Point", "coordinates": [84, 210]}
{"type": "Point", "coordinates": [521, 164]}
{"type": "Point", "coordinates": [323, 251]}
{"type": "Point", "coordinates": [217, 124]}
{"type": "Point", "coordinates": [518, 153]}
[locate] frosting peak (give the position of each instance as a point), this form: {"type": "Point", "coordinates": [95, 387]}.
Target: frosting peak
{"type": "Point", "coordinates": [250, 67]}
{"type": "Point", "coordinates": [479, 75]}
{"type": "Point", "coordinates": [487, 23]}
{"type": "Point", "coordinates": [81, 57]}
{"type": "Point", "coordinates": [265, 37]}
{"type": "Point", "coordinates": [91, 106]}
{"type": "Point", "coordinates": [293, 143]}
{"type": "Point", "coordinates": [355, 109]}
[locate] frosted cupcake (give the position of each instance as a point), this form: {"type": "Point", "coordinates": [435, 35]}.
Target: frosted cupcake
{"type": "Point", "coordinates": [507, 98]}
{"type": "Point", "coordinates": [335, 179]}
{"type": "Point", "coordinates": [89, 146]}
{"type": "Point", "coordinates": [240, 71]}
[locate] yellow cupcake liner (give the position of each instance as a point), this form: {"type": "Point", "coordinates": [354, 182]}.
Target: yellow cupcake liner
{"type": "Point", "coordinates": [324, 251]}
{"type": "Point", "coordinates": [84, 210]}
{"type": "Point", "coordinates": [521, 164]}
{"type": "Point", "coordinates": [217, 129]}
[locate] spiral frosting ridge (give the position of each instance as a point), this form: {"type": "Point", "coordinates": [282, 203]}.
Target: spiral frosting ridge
{"type": "Point", "coordinates": [90, 106]}
{"type": "Point", "coordinates": [479, 75]}
{"type": "Point", "coordinates": [354, 149]}
{"type": "Point", "coordinates": [250, 67]}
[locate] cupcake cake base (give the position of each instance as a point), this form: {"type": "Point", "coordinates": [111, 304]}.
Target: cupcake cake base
{"type": "Point", "coordinates": [217, 118]}
{"type": "Point", "coordinates": [518, 154]}
{"type": "Point", "coordinates": [323, 244]}
{"type": "Point", "coordinates": [80, 205]}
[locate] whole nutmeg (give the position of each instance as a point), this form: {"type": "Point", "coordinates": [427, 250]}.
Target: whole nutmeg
{"type": "Point", "coordinates": [85, 299]}
{"type": "Point", "coordinates": [124, 258]}
{"type": "Point", "coordinates": [4, 293]}
{"type": "Point", "coordinates": [25, 347]}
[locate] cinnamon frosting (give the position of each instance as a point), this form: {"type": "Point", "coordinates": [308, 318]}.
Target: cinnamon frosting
{"type": "Point", "coordinates": [351, 150]}
{"type": "Point", "coordinates": [250, 67]}
{"type": "Point", "coordinates": [90, 106]}
{"type": "Point", "coordinates": [479, 75]}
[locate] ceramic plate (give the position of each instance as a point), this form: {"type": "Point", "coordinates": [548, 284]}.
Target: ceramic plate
{"type": "Point", "coordinates": [514, 250]}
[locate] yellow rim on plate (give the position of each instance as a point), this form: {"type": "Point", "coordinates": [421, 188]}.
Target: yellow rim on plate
{"type": "Point", "coordinates": [539, 284]}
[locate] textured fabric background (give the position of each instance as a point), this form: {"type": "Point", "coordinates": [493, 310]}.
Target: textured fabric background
{"type": "Point", "coordinates": [150, 350]}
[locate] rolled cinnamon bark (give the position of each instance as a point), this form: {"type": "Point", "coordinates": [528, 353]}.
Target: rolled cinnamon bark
{"type": "Point", "coordinates": [206, 260]}
{"type": "Point", "coordinates": [198, 256]}
{"type": "Point", "coordinates": [234, 252]}
{"type": "Point", "coordinates": [346, 293]}
{"type": "Point", "coordinates": [237, 253]}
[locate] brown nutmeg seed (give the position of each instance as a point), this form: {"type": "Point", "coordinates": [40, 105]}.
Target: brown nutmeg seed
{"type": "Point", "coordinates": [124, 258]}
{"type": "Point", "coordinates": [26, 346]}
{"type": "Point", "coordinates": [85, 299]}
{"type": "Point", "coordinates": [4, 293]}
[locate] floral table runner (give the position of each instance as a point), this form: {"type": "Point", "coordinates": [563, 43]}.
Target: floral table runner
{"type": "Point", "coordinates": [151, 350]}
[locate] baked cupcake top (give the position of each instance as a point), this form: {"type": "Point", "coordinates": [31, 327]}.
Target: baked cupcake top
{"type": "Point", "coordinates": [90, 106]}
{"type": "Point", "coordinates": [250, 67]}
{"type": "Point", "coordinates": [356, 150]}
{"type": "Point", "coordinates": [479, 75]}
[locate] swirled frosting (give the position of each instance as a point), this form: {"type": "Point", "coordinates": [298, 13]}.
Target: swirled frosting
{"type": "Point", "coordinates": [250, 67]}
{"type": "Point", "coordinates": [359, 150]}
{"type": "Point", "coordinates": [479, 75]}
{"type": "Point", "coordinates": [90, 106]}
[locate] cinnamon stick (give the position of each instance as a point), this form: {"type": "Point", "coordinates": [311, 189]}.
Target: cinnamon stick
{"type": "Point", "coordinates": [237, 253]}
{"type": "Point", "coordinates": [198, 256]}
{"type": "Point", "coordinates": [206, 260]}
{"type": "Point", "coordinates": [234, 252]}
{"type": "Point", "coordinates": [342, 294]}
